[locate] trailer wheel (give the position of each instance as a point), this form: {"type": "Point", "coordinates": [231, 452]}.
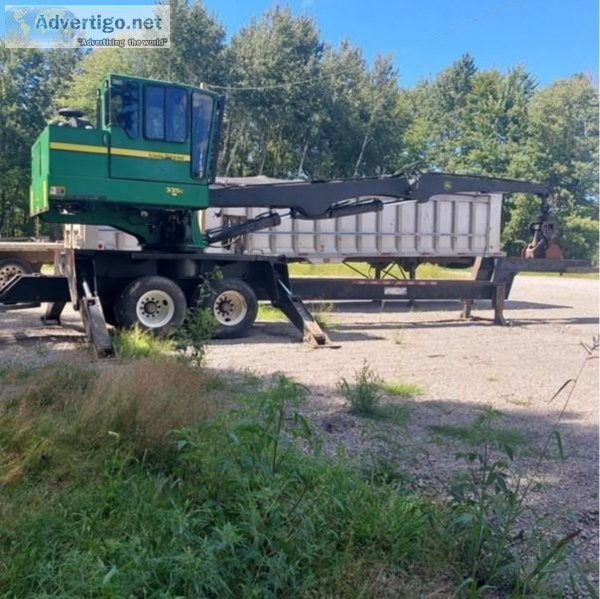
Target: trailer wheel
{"type": "Point", "coordinates": [234, 305]}
{"type": "Point", "coordinates": [11, 267]}
{"type": "Point", "coordinates": [153, 303]}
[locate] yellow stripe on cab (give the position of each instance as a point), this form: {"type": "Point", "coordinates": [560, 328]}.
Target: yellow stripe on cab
{"type": "Point", "coordinates": [56, 145]}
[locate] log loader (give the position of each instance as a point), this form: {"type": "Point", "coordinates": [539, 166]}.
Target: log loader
{"type": "Point", "coordinates": [147, 167]}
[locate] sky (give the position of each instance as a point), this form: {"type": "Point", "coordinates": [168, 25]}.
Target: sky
{"type": "Point", "coordinates": [551, 39]}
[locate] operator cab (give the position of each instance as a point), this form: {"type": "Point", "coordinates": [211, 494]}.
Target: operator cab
{"type": "Point", "coordinates": [159, 131]}
{"type": "Point", "coordinates": [154, 147]}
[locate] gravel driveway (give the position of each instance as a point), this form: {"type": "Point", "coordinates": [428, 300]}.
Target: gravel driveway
{"type": "Point", "coordinates": [461, 366]}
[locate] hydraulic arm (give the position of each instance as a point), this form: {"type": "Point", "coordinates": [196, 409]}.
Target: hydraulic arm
{"type": "Point", "coordinates": [321, 199]}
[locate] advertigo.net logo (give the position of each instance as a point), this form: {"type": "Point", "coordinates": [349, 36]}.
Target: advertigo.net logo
{"type": "Point", "coordinates": [76, 26]}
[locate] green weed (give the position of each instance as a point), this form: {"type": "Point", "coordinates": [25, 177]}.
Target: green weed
{"type": "Point", "coordinates": [364, 394]}
{"type": "Point", "coordinates": [488, 500]}
{"type": "Point", "coordinates": [192, 337]}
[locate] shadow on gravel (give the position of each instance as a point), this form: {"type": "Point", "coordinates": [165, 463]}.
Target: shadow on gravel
{"type": "Point", "coordinates": [567, 475]}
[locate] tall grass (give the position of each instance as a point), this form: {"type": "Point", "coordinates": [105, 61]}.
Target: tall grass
{"type": "Point", "coordinates": [153, 479]}
{"type": "Point", "coordinates": [141, 484]}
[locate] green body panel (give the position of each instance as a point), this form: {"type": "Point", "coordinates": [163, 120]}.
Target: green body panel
{"type": "Point", "coordinates": [103, 176]}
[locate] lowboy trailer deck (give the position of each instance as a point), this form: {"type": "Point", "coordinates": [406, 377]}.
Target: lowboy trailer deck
{"type": "Point", "coordinates": [491, 279]}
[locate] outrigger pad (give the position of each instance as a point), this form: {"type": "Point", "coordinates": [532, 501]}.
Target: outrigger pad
{"type": "Point", "coordinates": [293, 307]}
{"type": "Point", "coordinates": [95, 326]}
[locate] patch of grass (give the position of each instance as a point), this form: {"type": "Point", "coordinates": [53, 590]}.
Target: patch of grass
{"type": "Point", "coordinates": [339, 269]}
{"type": "Point", "coordinates": [400, 389]}
{"type": "Point", "coordinates": [136, 343]}
{"type": "Point", "coordinates": [62, 407]}
{"type": "Point", "coordinates": [434, 271]}
{"type": "Point", "coordinates": [16, 373]}
{"type": "Point", "coordinates": [397, 414]}
{"type": "Point", "coordinates": [322, 315]}
{"type": "Point", "coordinates": [320, 312]}
{"type": "Point", "coordinates": [483, 429]}
{"type": "Point", "coordinates": [149, 489]}
{"type": "Point", "coordinates": [334, 269]}
{"type": "Point", "coordinates": [424, 271]}
{"type": "Point", "coordinates": [152, 478]}
{"type": "Point", "coordinates": [268, 313]}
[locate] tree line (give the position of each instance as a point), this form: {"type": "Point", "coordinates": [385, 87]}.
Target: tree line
{"type": "Point", "coordinates": [298, 107]}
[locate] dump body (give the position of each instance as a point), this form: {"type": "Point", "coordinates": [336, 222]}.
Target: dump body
{"type": "Point", "coordinates": [448, 226]}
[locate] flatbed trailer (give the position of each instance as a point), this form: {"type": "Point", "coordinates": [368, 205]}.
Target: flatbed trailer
{"type": "Point", "coordinates": [95, 281]}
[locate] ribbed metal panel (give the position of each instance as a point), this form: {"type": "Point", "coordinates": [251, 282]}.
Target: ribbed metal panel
{"type": "Point", "coordinates": [451, 225]}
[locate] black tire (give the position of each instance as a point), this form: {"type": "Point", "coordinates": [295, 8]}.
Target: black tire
{"type": "Point", "coordinates": [11, 267]}
{"type": "Point", "coordinates": [234, 305]}
{"type": "Point", "coordinates": [163, 308]}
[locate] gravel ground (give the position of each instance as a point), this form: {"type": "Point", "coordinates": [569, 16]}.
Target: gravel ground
{"type": "Point", "coordinates": [461, 366]}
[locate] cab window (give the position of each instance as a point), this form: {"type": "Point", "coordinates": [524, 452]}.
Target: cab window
{"type": "Point", "coordinates": [166, 110]}
{"type": "Point", "coordinates": [123, 109]}
{"type": "Point", "coordinates": [154, 109]}
{"type": "Point", "coordinates": [177, 114]}
{"type": "Point", "coordinates": [202, 111]}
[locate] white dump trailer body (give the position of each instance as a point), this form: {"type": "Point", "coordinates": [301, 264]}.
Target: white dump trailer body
{"type": "Point", "coordinates": [447, 226]}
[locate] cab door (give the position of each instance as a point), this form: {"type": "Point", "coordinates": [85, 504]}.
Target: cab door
{"type": "Point", "coordinates": [149, 131]}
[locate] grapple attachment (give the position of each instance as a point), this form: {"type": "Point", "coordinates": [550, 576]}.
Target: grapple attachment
{"type": "Point", "coordinates": [545, 231]}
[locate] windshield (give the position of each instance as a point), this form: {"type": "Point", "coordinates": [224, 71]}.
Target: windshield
{"type": "Point", "coordinates": [202, 111]}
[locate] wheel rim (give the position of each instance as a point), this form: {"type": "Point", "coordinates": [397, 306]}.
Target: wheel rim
{"type": "Point", "coordinates": [8, 272]}
{"type": "Point", "coordinates": [230, 308]}
{"type": "Point", "coordinates": [155, 309]}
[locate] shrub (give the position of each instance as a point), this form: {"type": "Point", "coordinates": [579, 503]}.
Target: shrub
{"type": "Point", "coordinates": [197, 330]}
